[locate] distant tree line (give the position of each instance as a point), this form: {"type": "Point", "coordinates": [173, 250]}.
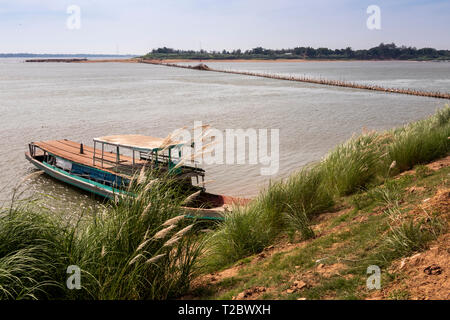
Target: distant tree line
{"type": "Point", "coordinates": [381, 52]}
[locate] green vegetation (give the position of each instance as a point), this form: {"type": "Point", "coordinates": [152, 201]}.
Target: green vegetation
{"type": "Point", "coordinates": [361, 162]}
{"type": "Point", "coordinates": [354, 164]}
{"type": "Point", "coordinates": [285, 205]}
{"type": "Point", "coordinates": [350, 242]}
{"type": "Point", "coordinates": [142, 248]}
{"type": "Point", "coordinates": [421, 142]}
{"type": "Point", "coordinates": [131, 250]}
{"type": "Point", "coordinates": [381, 52]}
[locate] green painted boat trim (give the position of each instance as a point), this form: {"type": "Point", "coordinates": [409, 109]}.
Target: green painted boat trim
{"type": "Point", "coordinates": [97, 184]}
{"type": "Point", "coordinates": [204, 218]}
{"type": "Point", "coordinates": [112, 190]}
{"type": "Point", "coordinates": [82, 165]}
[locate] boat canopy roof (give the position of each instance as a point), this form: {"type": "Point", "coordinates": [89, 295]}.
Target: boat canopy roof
{"type": "Point", "coordinates": [139, 142]}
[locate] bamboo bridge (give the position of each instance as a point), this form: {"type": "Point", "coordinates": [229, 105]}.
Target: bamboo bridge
{"type": "Point", "coordinates": [336, 83]}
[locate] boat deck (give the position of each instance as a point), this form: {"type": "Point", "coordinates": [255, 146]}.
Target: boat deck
{"type": "Point", "coordinates": [70, 150]}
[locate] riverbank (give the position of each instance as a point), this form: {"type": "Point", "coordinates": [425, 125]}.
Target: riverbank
{"type": "Point", "coordinates": [360, 206]}
{"type": "Point", "coordinates": [383, 226]}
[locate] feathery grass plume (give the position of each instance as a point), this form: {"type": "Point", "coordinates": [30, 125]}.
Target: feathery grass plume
{"type": "Point", "coordinates": [169, 139]}
{"type": "Point", "coordinates": [142, 175]}
{"type": "Point", "coordinates": [191, 197]}
{"type": "Point", "coordinates": [171, 241]}
{"type": "Point", "coordinates": [192, 157]}
{"type": "Point", "coordinates": [442, 116]}
{"type": "Point", "coordinates": [136, 258]}
{"type": "Point", "coordinates": [149, 185]}
{"type": "Point", "coordinates": [173, 220]}
{"type": "Point", "coordinates": [183, 231]}
{"type": "Point", "coordinates": [180, 164]}
{"type": "Point", "coordinates": [147, 233]}
{"type": "Point", "coordinates": [142, 245]}
{"type": "Point", "coordinates": [393, 164]}
{"type": "Point", "coordinates": [155, 258]}
{"type": "Point", "coordinates": [146, 210]}
{"type": "Point", "coordinates": [206, 128]}
{"type": "Point", "coordinates": [204, 150]}
{"type": "Point", "coordinates": [141, 280]}
{"type": "Point", "coordinates": [164, 232]}
{"type": "Point", "coordinates": [132, 181]}
{"type": "Point", "coordinates": [391, 167]}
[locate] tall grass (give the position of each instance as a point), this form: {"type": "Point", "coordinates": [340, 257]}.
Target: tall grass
{"type": "Point", "coordinates": [354, 164]}
{"type": "Point", "coordinates": [422, 141]}
{"type": "Point", "coordinates": [32, 255]}
{"type": "Point", "coordinates": [408, 234]}
{"type": "Point", "coordinates": [144, 250]}
{"type": "Point", "coordinates": [136, 248]}
{"type": "Point", "coordinates": [141, 248]}
{"type": "Point", "coordinates": [285, 205]}
{"type": "Point", "coordinates": [245, 231]}
{"type": "Point", "coordinates": [363, 161]}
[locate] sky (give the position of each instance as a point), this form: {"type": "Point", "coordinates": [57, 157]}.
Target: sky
{"type": "Point", "coordinates": [137, 26]}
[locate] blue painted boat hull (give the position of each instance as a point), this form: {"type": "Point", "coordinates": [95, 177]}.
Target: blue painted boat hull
{"type": "Point", "coordinates": [73, 180]}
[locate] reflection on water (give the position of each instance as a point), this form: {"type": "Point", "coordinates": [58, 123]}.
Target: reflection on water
{"type": "Point", "coordinates": [83, 101]}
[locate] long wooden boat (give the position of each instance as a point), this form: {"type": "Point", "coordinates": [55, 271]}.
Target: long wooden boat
{"type": "Point", "coordinates": [108, 173]}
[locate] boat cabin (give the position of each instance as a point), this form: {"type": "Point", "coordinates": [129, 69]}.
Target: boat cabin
{"type": "Point", "coordinates": [157, 153]}
{"type": "Point", "coordinates": [115, 159]}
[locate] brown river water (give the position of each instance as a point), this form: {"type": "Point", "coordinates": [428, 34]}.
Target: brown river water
{"type": "Point", "coordinates": [43, 101]}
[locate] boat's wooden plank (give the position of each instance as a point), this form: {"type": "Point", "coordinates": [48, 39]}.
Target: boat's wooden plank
{"type": "Point", "coordinates": [54, 144]}
{"type": "Point", "coordinates": [56, 149]}
{"type": "Point", "coordinates": [70, 150]}
{"type": "Point", "coordinates": [63, 146]}
{"type": "Point", "coordinates": [64, 153]}
{"type": "Point", "coordinates": [89, 150]}
{"type": "Point", "coordinates": [110, 156]}
{"type": "Point", "coordinates": [76, 157]}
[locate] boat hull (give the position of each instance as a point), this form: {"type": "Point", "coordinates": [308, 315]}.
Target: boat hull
{"type": "Point", "coordinates": [223, 203]}
{"type": "Point", "coordinates": [75, 181]}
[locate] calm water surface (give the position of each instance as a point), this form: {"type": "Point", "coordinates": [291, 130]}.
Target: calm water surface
{"type": "Point", "coordinates": [83, 101]}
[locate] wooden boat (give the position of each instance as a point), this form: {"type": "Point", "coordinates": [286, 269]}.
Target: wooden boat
{"type": "Point", "coordinates": [108, 173]}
